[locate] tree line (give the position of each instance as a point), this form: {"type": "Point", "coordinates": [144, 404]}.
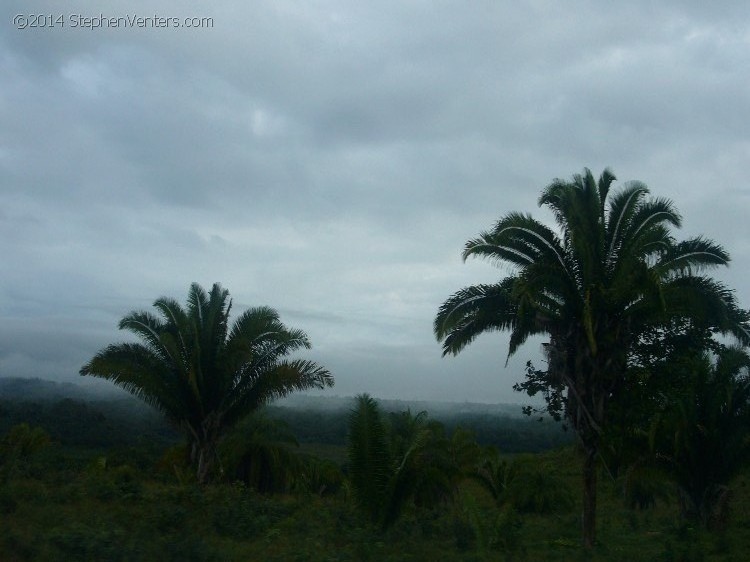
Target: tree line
{"type": "Point", "coordinates": [121, 422]}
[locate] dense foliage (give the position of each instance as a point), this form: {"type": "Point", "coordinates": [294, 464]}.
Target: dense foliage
{"type": "Point", "coordinates": [702, 435]}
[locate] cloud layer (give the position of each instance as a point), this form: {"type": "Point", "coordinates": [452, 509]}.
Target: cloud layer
{"type": "Point", "coordinates": [330, 159]}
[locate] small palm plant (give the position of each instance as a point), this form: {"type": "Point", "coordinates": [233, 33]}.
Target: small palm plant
{"type": "Point", "coordinates": [392, 464]}
{"type": "Point", "coordinates": [522, 483]}
{"type": "Point", "coordinates": [261, 452]}
{"type": "Point", "coordinates": [370, 460]}
{"type": "Point", "coordinates": [18, 446]}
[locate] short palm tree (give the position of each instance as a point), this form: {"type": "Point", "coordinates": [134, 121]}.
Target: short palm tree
{"type": "Point", "coordinates": [203, 375]}
{"type": "Point", "coordinates": [701, 437]}
{"type": "Point", "coordinates": [393, 464]}
{"type": "Point", "coordinates": [261, 452]}
{"type": "Point", "coordinates": [611, 270]}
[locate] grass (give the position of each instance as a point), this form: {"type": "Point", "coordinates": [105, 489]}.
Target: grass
{"type": "Point", "coordinates": [65, 505]}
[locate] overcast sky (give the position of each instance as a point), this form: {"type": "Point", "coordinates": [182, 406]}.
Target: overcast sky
{"type": "Point", "coordinates": [330, 159]}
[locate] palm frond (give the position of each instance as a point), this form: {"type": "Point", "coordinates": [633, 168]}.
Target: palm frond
{"type": "Point", "coordinates": [520, 240]}
{"type": "Point", "coordinates": [173, 313]}
{"type": "Point", "coordinates": [141, 372]}
{"type": "Point", "coordinates": [254, 324]}
{"type": "Point", "coordinates": [256, 387]}
{"type": "Point", "coordinates": [556, 197]}
{"type": "Point", "coordinates": [606, 179]}
{"type": "Point", "coordinates": [708, 303]}
{"type": "Point", "coordinates": [527, 323]}
{"type": "Point", "coordinates": [693, 255]}
{"type": "Point", "coordinates": [197, 303]}
{"type": "Point", "coordinates": [147, 327]}
{"type": "Point", "coordinates": [622, 207]}
{"type": "Point", "coordinates": [651, 212]}
{"type": "Point", "coordinates": [177, 324]}
{"type": "Point", "coordinates": [473, 311]}
{"type": "Point", "coordinates": [490, 248]}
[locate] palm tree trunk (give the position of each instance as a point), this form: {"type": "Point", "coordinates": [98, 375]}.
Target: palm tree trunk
{"type": "Point", "coordinates": [589, 496]}
{"type": "Point", "coordinates": [589, 432]}
{"type": "Point", "coordinates": [205, 460]}
{"type": "Point", "coordinates": [204, 449]}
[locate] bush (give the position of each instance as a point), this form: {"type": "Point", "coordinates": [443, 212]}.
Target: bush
{"type": "Point", "coordinates": [643, 485]}
{"type": "Point", "coordinates": [320, 477]}
{"type": "Point", "coordinates": [537, 488]}
{"type": "Point", "coordinates": [524, 483]}
{"type": "Point", "coordinates": [81, 542]}
{"type": "Point", "coordinates": [18, 446]}
{"type": "Point", "coordinates": [507, 535]}
{"type": "Point", "coordinates": [8, 503]}
{"type": "Point", "coordinates": [238, 519]}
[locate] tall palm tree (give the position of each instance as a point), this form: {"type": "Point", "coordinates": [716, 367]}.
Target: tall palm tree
{"type": "Point", "coordinates": [611, 270]}
{"type": "Point", "coordinates": [204, 376]}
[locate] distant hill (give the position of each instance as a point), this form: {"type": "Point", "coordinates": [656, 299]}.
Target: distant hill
{"type": "Point", "coordinates": [24, 388]}
{"type": "Point", "coordinates": [16, 388]}
{"type": "Point", "coordinates": [78, 416]}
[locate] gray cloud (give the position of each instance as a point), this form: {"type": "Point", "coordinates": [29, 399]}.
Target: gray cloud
{"type": "Point", "coordinates": [331, 159]}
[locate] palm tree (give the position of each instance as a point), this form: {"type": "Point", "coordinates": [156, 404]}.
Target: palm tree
{"type": "Point", "coordinates": [202, 375]}
{"type": "Point", "coordinates": [611, 270]}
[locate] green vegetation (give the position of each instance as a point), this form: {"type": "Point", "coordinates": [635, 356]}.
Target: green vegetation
{"type": "Point", "coordinates": [65, 502]}
{"type": "Point", "coordinates": [660, 407]}
{"type": "Point", "coordinates": [202, 375]}
{"type": "Point", "coordinates": [612, 272]}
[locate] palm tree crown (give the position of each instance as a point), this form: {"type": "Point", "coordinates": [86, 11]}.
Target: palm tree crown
{"type": "Point", "coordinates": [203, 375]}
{"type": "Point", "coordinates": [610, 263]}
